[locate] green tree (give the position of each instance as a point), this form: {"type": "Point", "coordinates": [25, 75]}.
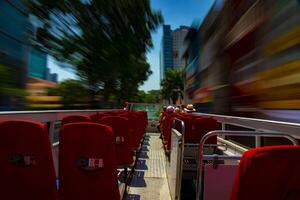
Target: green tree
{"type": "Point", "coordinates": [105, 41]}
{"type": "Point", "coordinates": [153, 96]}
{"type": "Point", "coordinates": [72, 92]}
{"type": "Point", "coordinates": [172, 85]}
{"type": "Point", "coordinates": [7, 86]}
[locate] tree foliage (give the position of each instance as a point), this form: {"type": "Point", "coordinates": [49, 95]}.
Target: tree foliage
{"type": "Point", "coordinates": [105, 41]}
{"type": "Point", "coordinates": [72, 93]}
{"type": "Point", "coordinates": [152, 96]}
{"type": "Point", "coordinates": [172, 85]}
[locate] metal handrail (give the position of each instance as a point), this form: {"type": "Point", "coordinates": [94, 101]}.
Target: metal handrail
{"type": "Point", "coordinates": [180, 143]}
{"type": "Point", "coordinates": [181, 123]}
{"type": "Point", "coordinates": [231, 133]}
{"type": "Point", "coordinates": [256, 124]}
{"type": "Point", "coordinates": [48, 116]}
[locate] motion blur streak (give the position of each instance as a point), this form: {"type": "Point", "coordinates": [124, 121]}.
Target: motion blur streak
{"type": "Point", "coordinates": [248, 60]}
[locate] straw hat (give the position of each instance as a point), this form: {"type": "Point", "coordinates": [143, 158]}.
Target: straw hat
{"type": "Point", "coordinates": [189, 108]}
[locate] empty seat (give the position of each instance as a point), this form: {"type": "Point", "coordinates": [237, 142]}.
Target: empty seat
{"type": "Point", "coordinates": [203, 125]}
{"type": "Point", "coordinates": [94, 117]}
{"type": "Point", "coordinates": [74, 118]}
{"type": "Point", "coordinates": [87, 162]}
{"type": "Point", "coordinates": [121, 130]}
{"type": "Point", "coordinates": [134, 129]}
{"type": "Point", "coordinates": [268, 173]}
{"type": "Point", "coordinates": [167, 129]}
{"type": "Point", "coordinates": [26, 164]}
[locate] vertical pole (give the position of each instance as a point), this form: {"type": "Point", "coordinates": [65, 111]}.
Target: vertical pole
{"type": "Point", "coordinates": [51, 130]}
{"type": "Point", "coordinates": [257, 141]}
{"type": "Point", "coordinates": [223, 129]}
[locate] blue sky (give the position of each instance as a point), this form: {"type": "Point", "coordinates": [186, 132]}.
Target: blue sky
{"type": "Point", "coordinates": [175, 13]}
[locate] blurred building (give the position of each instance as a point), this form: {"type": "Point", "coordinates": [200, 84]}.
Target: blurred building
{"type": "Point", "coordinates": [178, 36]}
{"type": "Point", "coordinates": [248, 60]}
{"type": "Point", "coordinates": [14, 52]}
{"type": "Point", "coordinates": [166, 52]}
{"type": "Point", "coordinates": [53, 77]}
{"type": "Point", "coordinates": [37, 90]}
{"type": "Point", "coordinates": [21, 59]}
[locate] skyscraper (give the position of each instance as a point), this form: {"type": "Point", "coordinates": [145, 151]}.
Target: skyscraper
{"type": "Point", "coordinates": [171, 48]}
{"type": "Point", "coordinates": [178, 36]}
{"type": "Point", "coordinates": [166, 58]}
{"type": "Point", "coordinates": [14, 51]}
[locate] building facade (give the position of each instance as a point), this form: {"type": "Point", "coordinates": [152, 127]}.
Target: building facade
{"type": "Point", "coordinates": [166, 53]}
{"type": "Point", "coordinates": [178, 36]}
{"type": "Point", "coordinates": [14, 53]}
{"type": "Point", "coordinates": [172, 49]}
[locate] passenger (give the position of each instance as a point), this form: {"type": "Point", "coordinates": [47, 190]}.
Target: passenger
{"type": "Point", "coordinates": [169, 110]}
{"type": "Point", "coordinates": [161, 118]}
{"type": "Point", "coordinates": [189, 108]}
{"type": "Point", "coordinates": [177, 110]}
{"type": "Point", "coordinates": [126, 106]}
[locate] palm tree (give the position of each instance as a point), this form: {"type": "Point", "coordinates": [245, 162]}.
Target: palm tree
{"type": "Point", "coordinates": [172, 85]}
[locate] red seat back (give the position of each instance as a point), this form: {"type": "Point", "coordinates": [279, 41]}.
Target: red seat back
{"type": "Point", "coordinates": [94, 117]}
{"type": "Point", "coordinates": [74, 118]}
{"type": "Point", "coordinates": [121, 130]}
{"type": "Point", "coordinates": [87, 165]}
{"type": "Point", "coordinates": [268, 173]}
{"type": "Point", "coordinates": [167, 129]}
{"type": "Point", "coordinates": [202, 126]}
{"type": "Point", "coordinates": [26, 164]}
{"type": "Point", "coordinates": [134, 129]}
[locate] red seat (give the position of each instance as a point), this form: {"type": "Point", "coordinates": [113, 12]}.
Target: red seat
{"type": "Point", "coordinates": [26, 164]}
{"type": "Point", "coordinates": [87, 162]}
{"type": "Point", "coordinates": [203, 125]}
{"type": "Point", "coordinates": [94, 117]}
{"type": "Point", "coordinates": [188, 127]}
{"type": "Point", "coordinates": [121, 130]}
{"type": "Point", "coordinates": [74, 118]}
{"type": "Point", "coordinates": [167, 128]}
{"type": "Point", "coordinates": [134, 129]}
{"type": "Point", "coordinates": [268, 173]}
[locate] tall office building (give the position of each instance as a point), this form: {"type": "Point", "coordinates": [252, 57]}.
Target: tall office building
{"type": "Point", "coordinates": [178, 36]}
{"type": "Point", "coordinates": [171, 49]}
{"type": "Point", "coordinates": [14, 51]}
{"type": "Point", "coordinates": [166, 53]}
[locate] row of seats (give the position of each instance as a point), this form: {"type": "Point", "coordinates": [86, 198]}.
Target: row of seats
{"type": "Point", "coordinates": [90, 150]}
{"type": "Point", "coordinates": [195, 127]}
{"type": "Point", "coordinates": [270, 173]}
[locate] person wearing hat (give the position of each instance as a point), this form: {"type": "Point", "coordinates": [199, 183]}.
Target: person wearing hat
{"type": "Point", "coordinates": [161, 118]}
{"type": "Point", "coordinates": [189, 108]}
{"type": "Point", "coordinates": [177, 110]}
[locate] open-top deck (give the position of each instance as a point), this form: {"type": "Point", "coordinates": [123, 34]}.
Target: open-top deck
{"type": "Point", "coordinates": [195, 156]}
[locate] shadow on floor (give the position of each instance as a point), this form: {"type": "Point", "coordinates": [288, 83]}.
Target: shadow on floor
{"type": "Point", "coordinates": [145, 148]}
{"type": "Point", "coordinates": [143, 155]}
{"type": "Point", "coordinates": [133, 197]}
{"type": "Point", "coordinates": [141, 164]}
{"type": "Point", "coordinates": [138, 179]}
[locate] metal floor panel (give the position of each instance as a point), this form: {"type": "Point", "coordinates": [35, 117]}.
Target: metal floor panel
{"type": "Point", "coordinates": [150, 180]}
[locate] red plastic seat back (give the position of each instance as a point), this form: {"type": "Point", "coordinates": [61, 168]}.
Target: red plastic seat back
{"type": "Point", "coordinates": [188, 127]}
{"type": "Point", "coordinates": [74, 118]}
{"type": "Point", "coordinates": [203, 126]}
{"type": "Point", "coordinates": [167, 129]}
{"type": "Point", "coordinates": [94, 117]}
{"type": "Point", "coordinates": [121, 130]}
{"type": "Point", "coordinates": [87, 162]}
{"type": "Point", "coordinates": [134, 129]}
{"type": "Point", "coordinates": [268, 173]}
{"type": "Point", "coordinates": [26, 164]}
